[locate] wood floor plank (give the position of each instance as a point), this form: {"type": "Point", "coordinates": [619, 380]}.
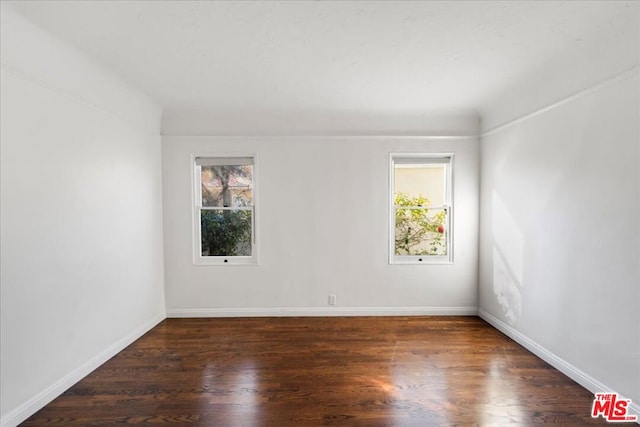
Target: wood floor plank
{"type": "Point", "coordinates": [353, 371]}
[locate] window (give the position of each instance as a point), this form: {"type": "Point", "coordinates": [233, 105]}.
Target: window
{"type": "Point", "coordinates": [224, 215]}
{"type": "Point", "coordinates": [420, 223]}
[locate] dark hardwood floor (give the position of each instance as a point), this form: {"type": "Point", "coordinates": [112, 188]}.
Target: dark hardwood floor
{"type": "Point", "coordinates": [354, 371]}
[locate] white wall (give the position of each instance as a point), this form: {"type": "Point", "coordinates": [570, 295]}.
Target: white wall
{"type": "Point", "coordinates": [315, 123]}
{"type": "Point", "coordinates": [81, 214]}
{"type": "Point", "coordinates": [323, 229]}
{"type": "Point", "coordinates": [560, 233]}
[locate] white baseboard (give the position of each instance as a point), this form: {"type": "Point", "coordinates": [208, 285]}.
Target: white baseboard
{"type": "Point", "coordinates": [579, 376]}
{"type": "Point", "coordinates": [38, 401]}
{"type": "Point", "coordinates": [321, 311]}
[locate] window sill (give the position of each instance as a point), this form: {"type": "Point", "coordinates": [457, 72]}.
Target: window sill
{"type": "Point", "coordinates": [225, 261]}
{"type": "Point", "coordinates": [421, 260]}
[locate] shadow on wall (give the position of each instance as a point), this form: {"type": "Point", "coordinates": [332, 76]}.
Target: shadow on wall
{"type": "Point", "coordinates": [508, 254]}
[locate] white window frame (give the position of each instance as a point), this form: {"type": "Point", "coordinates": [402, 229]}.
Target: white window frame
{"type": "Point", "coordinates": [196, 195]}
{"type": "Point", "coordinates": [430, 158]}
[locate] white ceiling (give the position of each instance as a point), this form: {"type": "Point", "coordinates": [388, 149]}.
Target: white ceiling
{"type": "Point", "coordinates": [376, 57]}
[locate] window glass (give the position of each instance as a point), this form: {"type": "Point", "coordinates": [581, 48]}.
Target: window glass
{"type": "Point", "coordinates": [227, 186]}
{"type": "Point", "coordinates": [421, 209]}
{"type": "Point", "coordinates": [225, 209]}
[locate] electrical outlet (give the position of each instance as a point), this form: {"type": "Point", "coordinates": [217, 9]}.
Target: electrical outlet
{"type": "Point", "coordinates": [332, 299]}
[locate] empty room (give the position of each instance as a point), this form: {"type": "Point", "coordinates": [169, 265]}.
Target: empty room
{"type": "Point", "coordinates": [300, 213]}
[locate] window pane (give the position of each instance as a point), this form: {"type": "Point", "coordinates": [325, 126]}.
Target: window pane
{"type": "Point", "coordinates": [421, 180]}
{"type": "Point", "coordinates": [225, 232]}
{"type": "Point", "coordinates": [227, 186]}
{"type": "Point", "coordinates": [420, 231]}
